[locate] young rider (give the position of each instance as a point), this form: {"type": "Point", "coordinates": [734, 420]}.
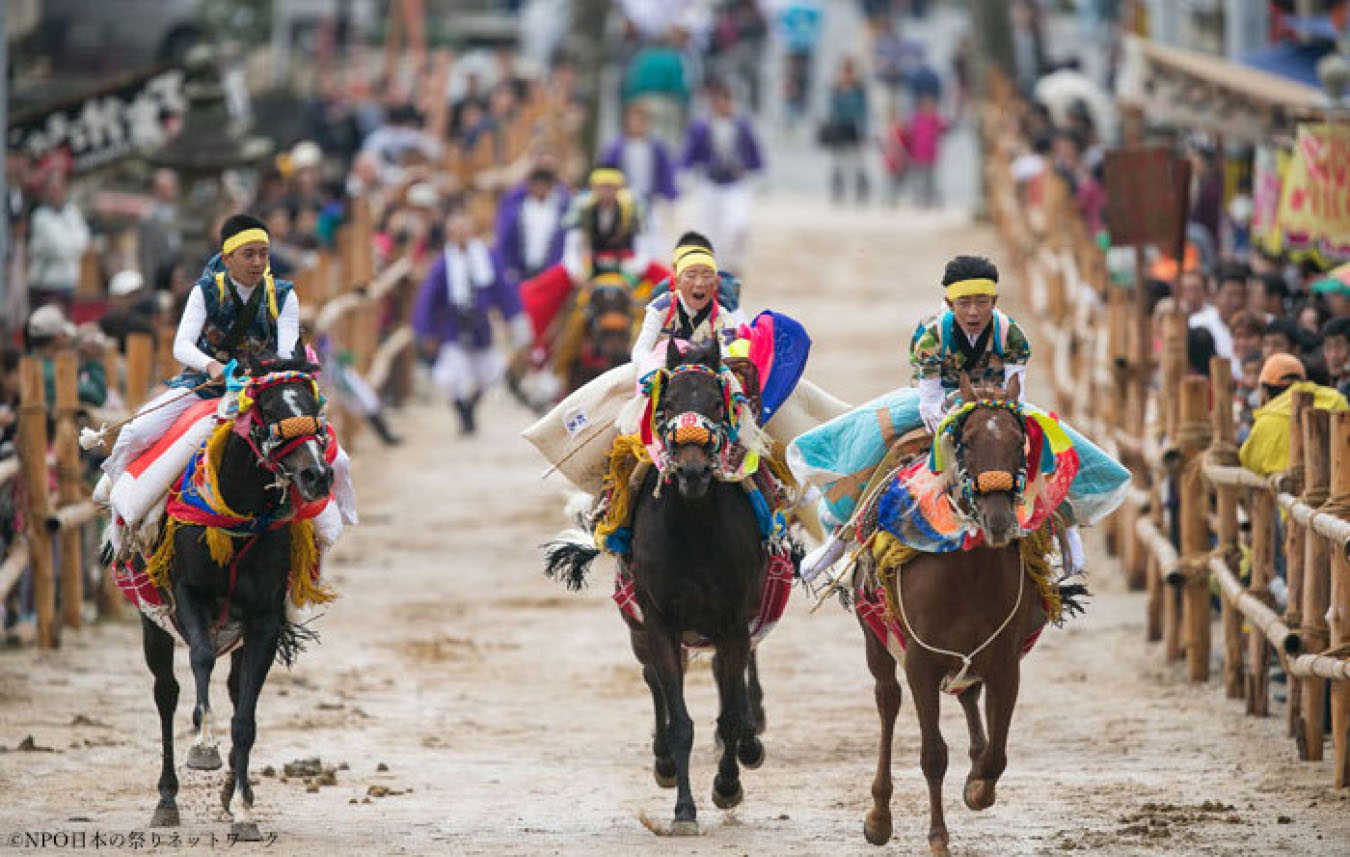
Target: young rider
{"type": "Point", "coordinates": [691, 312]}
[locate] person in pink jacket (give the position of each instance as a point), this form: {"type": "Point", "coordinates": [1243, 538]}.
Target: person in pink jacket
{"type": "Point", "coordinates": [923, 139]}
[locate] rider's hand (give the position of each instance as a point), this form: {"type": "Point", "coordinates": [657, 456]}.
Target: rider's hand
{"type": "Point", "coordinates": [216, 370]}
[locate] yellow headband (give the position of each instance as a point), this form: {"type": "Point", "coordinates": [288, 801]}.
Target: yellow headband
{"type": "Point", "coordinates": [238, 239]}
{"type": "Point", "coordinates": [606, 175]}
{"type": "Point", "coordinates": [685, 249]}
{"type": "Point", "coordinates": [966, 288]}
{"type": "Point", "coordinates": [689, 260]}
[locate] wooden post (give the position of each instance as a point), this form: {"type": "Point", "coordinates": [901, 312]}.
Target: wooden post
{"type": "Point", "coordinates": [1316, 575]}
{"type": "Point", "coordinates": [1193, 425]}
{"type": "Point", "coordinates": [1263, 567]}
{"type": "Point", "coordinates": [166, 365]}
{"type": "Point", "coordinates": [1141, 370]}
{"type": "Point", "coordinates": [1174, 370]}
{"type": "Point", "coordinates": [70, 488]}
{"type": "Point", "coordinates": [140, 350]}
{"type": "Point", "coordinates": [1293, 560]}
{"type": "Point", "coordinates": [33, 459]}
{"type": "Point", "coordinates": [1221, 422]}
{"type": "Point", "coordinates": [1339, 625]}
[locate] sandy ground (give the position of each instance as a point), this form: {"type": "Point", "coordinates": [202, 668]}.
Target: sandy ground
{"type": "Point", "coordinates": [512, 719]}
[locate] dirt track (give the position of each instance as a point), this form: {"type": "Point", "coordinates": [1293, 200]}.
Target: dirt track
{"type": "Point", "coordinates": [513, 720]}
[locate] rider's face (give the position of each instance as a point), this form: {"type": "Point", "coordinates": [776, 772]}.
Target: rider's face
{"type": "Point", "coordinates": [974, 312]}
{"type": "Point", "coordinates": [247, 263]}
{"type": "Point", "coordinates": [697, 286]}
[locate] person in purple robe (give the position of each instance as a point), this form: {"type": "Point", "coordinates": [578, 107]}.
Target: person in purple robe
{"type": "Point", "coordinates": [452, 317]}
{"type": "Point", "coordinates": [724, 150]}
{"type": "Point", "coordinates": [530, 230]}
{"type": "Point", "coordinates": [644, 159]}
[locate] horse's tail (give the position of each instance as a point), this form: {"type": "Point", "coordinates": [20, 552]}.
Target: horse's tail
{"type": "Point", "coordinates": [1071, 599]}
{"type": "Point", "coordinates": [569, 557]}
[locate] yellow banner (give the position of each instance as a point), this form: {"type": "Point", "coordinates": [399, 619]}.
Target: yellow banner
{"type": "Point", "coordinates": [1314, 214]}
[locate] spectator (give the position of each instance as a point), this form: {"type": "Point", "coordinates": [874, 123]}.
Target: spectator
{"type": "Point", "coordinates": [1230, 298]}
{"type": "Point", "coordinates": [1279, 337]}
{"type": "Point", "coordinates": [1067, 150]}
{"type": "Point", "coordinates": [1335, 294]}
{"type": "Point", "coordinates": [844, 132]}
{"type": "Point", "coordinates": [1309, 317]}
{"type": "Point", "coordinates": [1336, 351]}
{"type": "Point", "coordinates": [1199, 351]}
{"type": "Point", "coordinates": [48, 333]}
{"type": "Point", "coordinates": [1246, 330]}
{"type": "Point", "coordinates": [1201, 312]}
{"type": "Point", "coordinates": [159, 238]}
{"type": "Point", "coordinates": [130, 308]}
{"type": "Point", "coordinates": [10, 358]}
{"type": "Point", "coordinates": [645, 161]}
{"type": "Point", "coordinates": [57, 239]}
{"type": "Point", "coordinates": [724, 148]}
{"type": "Point", "coordinates": [1206, 189]}
{"type": "Point", "coordinates": [1266, 449]}
{"type": "Point", "coordinates": [302, 180]}
{"type": "Point", "coordinates": [923, 138]}
{"type": "Point", "coordinates": [658, 78]}
{"type": "Point", "coordinates": [894, 156]}
{"type": "Point", "coordinates": [1267, 294]}
{"type": "Point", "coordinates": [799, 27]}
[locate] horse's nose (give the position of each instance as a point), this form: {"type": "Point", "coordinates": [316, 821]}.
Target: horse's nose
{"type": "Point", "coordinates": [315, 481]}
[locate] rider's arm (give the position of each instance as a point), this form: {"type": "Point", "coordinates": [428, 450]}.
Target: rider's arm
{"type": "Point", "coordinates": [651, 332]}
{"type": "Point", "coordinates": [574, 251]}
{"type": "Point", "coordinates": [931, 402]}
{"type": "Point", "coordinates": [185, 348]}
{"type": "Point", "coordinates": [1011, 369]}
{"type": "Point", "coordinates": [288, 327]}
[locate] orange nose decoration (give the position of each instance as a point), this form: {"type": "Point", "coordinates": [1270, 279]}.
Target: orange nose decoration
{"type": "Point", "coordinates": [293, 427]}
{"type": "Point", "coordinates": [692, 434]}
{"type": "Point", "coordinates": [991, 481]}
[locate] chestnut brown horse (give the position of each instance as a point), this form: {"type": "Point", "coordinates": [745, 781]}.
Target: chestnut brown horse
{"type": "Point", "coordinates": [964, 615]}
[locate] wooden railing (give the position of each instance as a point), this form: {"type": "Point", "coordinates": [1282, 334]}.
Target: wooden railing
{"type": "Point", "coordinates": [1176, 433]}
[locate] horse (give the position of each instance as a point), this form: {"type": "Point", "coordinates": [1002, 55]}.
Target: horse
{"type": "Point", "coordinates": [699, 569]}
{"type": "Point", "coordinates": [968, 613]}
{"type": "Point", "coordinates": [275, 447]}
{"type": "Point", "coordinates": [607, 330]}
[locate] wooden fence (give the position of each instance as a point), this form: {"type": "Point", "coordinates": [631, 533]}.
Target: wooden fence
{"type": "Point", "coordinates": [364, 312]}
{"type": "Point", "coordinates": [1176, 433]}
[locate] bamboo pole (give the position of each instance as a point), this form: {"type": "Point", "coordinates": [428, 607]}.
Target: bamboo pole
{"type": "Point", "coordinates": [1316, 427]}
{"type": "Point", "coordinates": [1193, 417]}
{"type": "Point", "coordinates": [33, 456]}
{"type": "Point", "coordinates": [1259, 613]}
{"type": "Point", "coordinates": [70, 489]}
{"type": "Point", "coordinates": [1293, 558]}
{"type": "Point", "coordinates": [1339, 614]}
{"type": "Point", "coordinates": [1263, 565]}
{"type": "Point", "coordinates": [1174, 371]}
{"type": "Point", "coordinates": [1224, 436]}
{"type": "Point", "coordinates": [140, 350]}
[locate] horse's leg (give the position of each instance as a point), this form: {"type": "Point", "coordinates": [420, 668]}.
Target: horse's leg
{"type": "Point", "coordinates": [984, 773]}
{"type": "Point", "coordinates": [733, 726]}
{"type": "Point", "coordinates": [663, 644]}
{"type": "Point", "coordinates": [756, 697]}
{"type": "Point", "coordinates": [236, 658]}
{"type": "Point", "coordinates": [196, 627]}
{"type": "Point", "coordinates": [260, 649]}
{"type": "Point", "coordinates": [877, 825]}
{"type": "Point", "coordinates": [924, 675]}
{"type": "Point", "coordinates": [663, 767]}
{"type": "Point", "coordinates": [158, 647]}
{"type": "Point", "coordinates": [970, 704]}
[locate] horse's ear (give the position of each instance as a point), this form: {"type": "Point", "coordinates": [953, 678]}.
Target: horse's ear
{"type": "Point", "coordinates": [673, 354]}
{"type": "Point", "coordinates": [1012, 392]}
{"type": "Point", "coordinates": [967, 391]}
{"type": "Point", "coordinates": [712, 355]}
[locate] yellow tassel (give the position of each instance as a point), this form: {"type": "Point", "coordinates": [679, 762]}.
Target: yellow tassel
{"type": "Point", "coordinates": [304, 567]}
{"type": "Point", "coordinates": [219, 543]}
{"type": "Point", "coordinates": [215, 448]}
{"type": "Point", "coordinates": [624, 457]}
{"type": "Point", "coordinates": [158, 564]}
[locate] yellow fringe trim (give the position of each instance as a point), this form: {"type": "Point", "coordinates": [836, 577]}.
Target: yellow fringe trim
{"type": "Point", "coordinates": [890, 554]}
{"type": "Point", "coordinates": [305, 565]}
{"type": "Point", "coordinates": [624, 458]}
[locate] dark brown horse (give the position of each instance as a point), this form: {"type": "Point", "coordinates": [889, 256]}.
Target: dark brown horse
{"type": "Point", "coordinates": [279, 449]}
{"type": "Point", "coordinates": [607, 332]}
{"type": "Point", "coordinates": [699, 568]}
{"type": "Point", "coordinates": [975, 605]}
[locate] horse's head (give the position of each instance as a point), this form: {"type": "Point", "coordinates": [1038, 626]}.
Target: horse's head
{"type": "Point", "coordinates": [693, 415]}
{"type": "Point", "coordinates": [285, 427]}
{"type": "Point", "coordinates": [609, 319]}
{"type": "Point", "coordinates": [991, 460]}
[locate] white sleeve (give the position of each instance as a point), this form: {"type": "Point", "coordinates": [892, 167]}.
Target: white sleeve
{"type": "Point", "coordinates": [573, 251]}
{"type": "Point", "coordinates": [651, 331]}
{"type": "Point", "coordinates": [288, 326]}
{"type": "Point", "coordinates": [1018, 369]}
{"type": "Point", "coordinates": [185, 348]}
{"type": "Point", "coordinates": [931, 396]}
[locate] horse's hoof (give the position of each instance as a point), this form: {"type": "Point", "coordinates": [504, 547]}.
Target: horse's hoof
{"type": "Point", "coordinates": [727, 801]}
{"type": "Point", "coordinates": [978, 794]}
{"type": "Point", "coordinates": [751, 753]}
{"type": "Point", "coordinates": [165, 816]}
{"type": "Point", "coordinates": [664, 772]}
{"type": "Point", "coordinates": [203, 758]}
{"type": "Point", "coordinates": [875, 831]}
{"type": "Point", "coordinates": [245, 831]}
{"type": "Point", "coordinates": [761, 722]}
{"type": "Point", "coordinates": [939, 849]}
{"type": "Point", "coordinates": [686, 827]}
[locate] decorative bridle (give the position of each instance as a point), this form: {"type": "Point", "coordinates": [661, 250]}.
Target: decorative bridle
{"type": "Point", "coordinates": [990, 481]}
{"type": "Point", "coordinates": [692, 427]}
{"type": "Point", "coordinates": [272, 442]}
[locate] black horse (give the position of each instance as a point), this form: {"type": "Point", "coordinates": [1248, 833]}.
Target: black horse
{"type": "Point", "coordinates": [282, 448]}
{"type": "Point", "coordinates": [699, 568]}
{"type": "Point", "coordinates": [607, 334]}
